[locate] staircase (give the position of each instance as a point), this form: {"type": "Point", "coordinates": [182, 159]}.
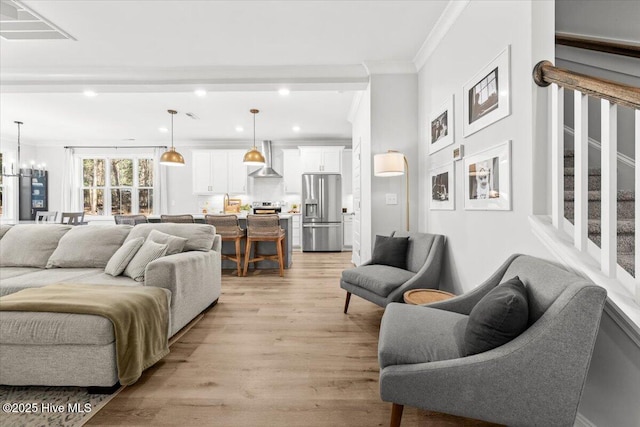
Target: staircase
{"type": "Point", "coordinates": [626, 205]}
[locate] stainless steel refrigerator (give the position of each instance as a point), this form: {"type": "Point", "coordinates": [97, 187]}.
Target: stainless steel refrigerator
{"type": "Point", "coordinates": [321, 212]}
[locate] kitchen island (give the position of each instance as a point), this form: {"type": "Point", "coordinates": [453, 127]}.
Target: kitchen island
{"type": "Point", "coordinates": [267, 248]}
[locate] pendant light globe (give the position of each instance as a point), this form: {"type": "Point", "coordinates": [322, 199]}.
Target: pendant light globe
{"type": "Point", "coordinates": [253, 157]}
{"type": "Point", "coordinates": [171, 157]}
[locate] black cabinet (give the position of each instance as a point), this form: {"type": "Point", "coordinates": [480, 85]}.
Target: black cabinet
{"type": "Point", "coordinates": [34, 193]}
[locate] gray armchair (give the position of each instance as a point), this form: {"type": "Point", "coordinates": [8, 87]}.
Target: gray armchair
{"type": "Point", "coordinates": [535, 379]}
{"type": "Point", "coordinates": [382, 284]}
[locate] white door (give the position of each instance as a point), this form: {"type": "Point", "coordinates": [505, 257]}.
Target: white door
{"type": "Point", "coordinates": [292, 171]}
{"type": "Point", "coordinates": [357, 223]}
{"type": "Point", "coordinates": [311, 159]}
{"type": "Point", "coordinates": [332, 160]}
{"type": "Point", "coordinates": [219, 171]}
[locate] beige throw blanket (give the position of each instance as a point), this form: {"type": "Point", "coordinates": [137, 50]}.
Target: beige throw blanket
{"type": "Point", "coordinates": [139, 315]}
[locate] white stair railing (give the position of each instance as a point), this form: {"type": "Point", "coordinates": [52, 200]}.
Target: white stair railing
{"type": "Point", "coordinates": [611, 94]}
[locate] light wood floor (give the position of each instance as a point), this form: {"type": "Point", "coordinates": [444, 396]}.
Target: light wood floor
{"type": "Point", "coordinates": [273, 352]}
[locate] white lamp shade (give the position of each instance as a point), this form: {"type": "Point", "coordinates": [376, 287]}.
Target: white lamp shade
{"type": "Point", "coordinates": [388, 164]}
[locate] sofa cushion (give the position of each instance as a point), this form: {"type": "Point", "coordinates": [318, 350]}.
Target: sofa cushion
{"type": "Point", "coordinates": [42, 277]}
{"type": "Point", "coordinates": [149, 251]}
{"type": "Point", "coordinates": [30, 245]}
{"type": "Point", "coordinates": [175, 244]}
{"type": "Point", "coordinates": [43, 328]}
{"type": "Point", "coordinates": [9, 272]}
{"type": "Point", "coordinates": [88, 247]}
{"type": "Point", "coordinates": [199, 236]}
{"type": "Point", "coordinates": [123, 256]}
{"type": "Point", "coordinates": [390, 251]}
{"type": "Point", "coordinates": [500, 316]}
{"type": "Point", "coordinates": [416, 334]}
{"type": "Point", "coordinates": [4, 228]}
{"type": "Point", "coordinates": [379, 279]}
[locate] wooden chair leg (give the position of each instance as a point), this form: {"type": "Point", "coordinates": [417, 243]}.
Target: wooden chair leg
{"type": "Point", "coordinates": [238, 257]}
{"type": "Point", "coordinates": [280, 259]}
{"type": "Point", "coordinates": [346, 302]}
{"type": "Point", "coordinates": [396, 415]}
{"type": "Point", "coordinates": [247, 252]}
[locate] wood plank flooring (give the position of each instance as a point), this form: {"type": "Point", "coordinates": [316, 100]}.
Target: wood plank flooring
{"type": "Point", "coordinates": [273, 352]}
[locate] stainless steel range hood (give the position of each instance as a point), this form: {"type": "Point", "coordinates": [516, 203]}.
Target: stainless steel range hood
{"type": "Point", "coordinates": [266, 171]}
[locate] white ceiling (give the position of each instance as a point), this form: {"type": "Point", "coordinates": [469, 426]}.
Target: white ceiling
{"type": "Point", "coordinates": [145, 57]}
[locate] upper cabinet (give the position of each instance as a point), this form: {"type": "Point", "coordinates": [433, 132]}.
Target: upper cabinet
{"type": "Point", "coordinates": [321, 159]}
{"type": "Point", "coordinates": [219, 172]}
{"type": "Point", "coordinates": [292, 170]}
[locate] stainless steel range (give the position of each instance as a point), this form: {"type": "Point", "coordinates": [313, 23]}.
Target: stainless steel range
{"type": "Point", "coordinates": [261, 208]}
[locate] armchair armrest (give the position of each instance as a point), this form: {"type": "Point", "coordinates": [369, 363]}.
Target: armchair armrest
{"type": "Point", "coordinates": [429, 274]}
{"type": "Point", "coordinates": [463, 304]}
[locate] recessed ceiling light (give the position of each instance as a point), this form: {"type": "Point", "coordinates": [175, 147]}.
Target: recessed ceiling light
{"type": "Point", "coordinates": [296, 128]}
{"type": "Point", "coordinates": [163, 129]}
{"type": "Point", "coordinates": [239, 129]}
{"type": "Point", "coordinates": [284, 91]}
{"type": "Point", "coordinates": [200, 92]}
{"type": "Point", "coordinates": [90, 93]}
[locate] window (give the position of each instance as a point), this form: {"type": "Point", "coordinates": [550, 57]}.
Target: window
{"type": "Point", "coordinates": [117, 186]}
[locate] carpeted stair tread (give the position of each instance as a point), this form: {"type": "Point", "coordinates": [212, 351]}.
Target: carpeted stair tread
{"type": "Point", "coordinates": [623, 196]}
{"type": "Point", "coordinates": [624, 226]}
{"type": "Point", "coordinates": [569, 171]}
{"type": "Point", "coordinates": [627, 262]}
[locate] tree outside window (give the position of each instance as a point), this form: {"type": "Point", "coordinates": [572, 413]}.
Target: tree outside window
{"type": "Point", "coordinates": [117, 186]}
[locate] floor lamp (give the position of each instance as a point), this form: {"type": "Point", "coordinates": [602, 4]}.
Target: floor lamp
{"type": "Point", "coordinates": [393, 163]}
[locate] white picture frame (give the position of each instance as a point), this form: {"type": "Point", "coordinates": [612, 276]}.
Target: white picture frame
{"type": "Point", "coordinates": [442, 184]}
{"type": "Point", "coordinates": [486, 97]}
{"type": "Point", "coordinates": [487, 179]}
{"type": "Point", "coordinates": [441, 126]}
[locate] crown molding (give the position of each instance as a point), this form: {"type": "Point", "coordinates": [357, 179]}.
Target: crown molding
{"type": "Point", "coordinates": [440, 29]}
{"type": "Point", "coordinates": [389, 67]}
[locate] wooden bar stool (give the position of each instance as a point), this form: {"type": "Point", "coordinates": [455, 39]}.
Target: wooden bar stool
{"type": "Point", "coordinates": [228, 228]}
{"type": "Point", "coordinates": [177, 218]}
{"type": "Point", "coordinates": [264, 228]}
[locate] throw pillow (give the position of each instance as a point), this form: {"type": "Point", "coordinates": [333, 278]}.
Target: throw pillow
{"type": "Point", "coordinates": [500, 316]}
{"type": "Point", "coordinates": [175, 244]}
{"type": "Point", "coordinates": [391, 251]}
{"type": "Point", "coordinates": [123, 256]}
{"type": "Point", "coordinates": [148, 252]}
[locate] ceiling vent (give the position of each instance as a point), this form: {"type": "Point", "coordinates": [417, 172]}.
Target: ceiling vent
{"type": "Point", "coordinates": [193, 116]}
{"type": "Point", "coordinates": [18, 22]}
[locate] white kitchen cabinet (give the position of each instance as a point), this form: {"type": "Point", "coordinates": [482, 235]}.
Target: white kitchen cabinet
{"type": "Point", "coordinates": [219, 172]}
{"type": "Point", "coordinates": [347, 230]}
{"type": "Point", "coordinates": [321, 159]}
{"type": "Point", "coordinates": [292, 171]}
{"type": "Point", "coordinates": [295, 235]}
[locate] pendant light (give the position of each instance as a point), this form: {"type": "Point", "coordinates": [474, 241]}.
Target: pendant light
{"type": "Point", "coordinates": [171, 157]}
{"type": "Point", "coordinates": [253, 157]}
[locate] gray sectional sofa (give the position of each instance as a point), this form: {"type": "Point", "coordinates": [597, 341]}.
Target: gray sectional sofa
{"type": "Point", "coordinates": [79, 350]}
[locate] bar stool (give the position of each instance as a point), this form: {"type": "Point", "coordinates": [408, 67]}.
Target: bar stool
{"type": "Point", "coordinates": [177, 218]}
{"type": "Point", "coordinates": [264, 228]}
{"type": "Point", "coordinates": [228, 228]}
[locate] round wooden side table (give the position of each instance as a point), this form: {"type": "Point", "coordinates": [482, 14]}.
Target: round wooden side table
{"type": "Point", "coordinates": [426, 296]}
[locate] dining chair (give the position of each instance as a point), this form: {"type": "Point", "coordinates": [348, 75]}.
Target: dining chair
{"type": "Point", "coordinates": [72, 218]}
{"type": "Point", "coordinates": [228, 227]}
{"type": "Point", "coordinates": [130, 219]}
{"type": "Point", "coordinates": [46, 216]}
{"type": "Point", "coordinates": [177, 218]}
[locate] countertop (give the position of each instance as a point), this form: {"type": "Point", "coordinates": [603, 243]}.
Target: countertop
{"type": "Point", "coordinates": [240, 216]}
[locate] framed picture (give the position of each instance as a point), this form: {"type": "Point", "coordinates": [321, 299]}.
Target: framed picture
{"type": "Point", "coordinates": [486, 97]}
{"type": "Point", "coordinates": [442, 188]}
{"type": "Point", "coordinates": [487, 179]}
{"type": "Point", "coordinates": [441, 126]}
{"type": "Point", "coordinates": [458, 152]}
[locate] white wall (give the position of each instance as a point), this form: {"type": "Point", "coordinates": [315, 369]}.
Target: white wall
{"type": "Point", "coordinates": [479, 241]}
{"type": "Point", "coordinates": [394, 126]}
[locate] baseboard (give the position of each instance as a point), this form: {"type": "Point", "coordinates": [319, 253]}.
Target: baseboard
{"type": "Point", "coordinates": [582, 421]}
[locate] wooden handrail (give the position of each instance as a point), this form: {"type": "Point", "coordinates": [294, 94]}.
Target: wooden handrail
{"type": "Point", "coordinates": [544, 73]}
{"type": "Point", "coordinates": [599, 45]}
